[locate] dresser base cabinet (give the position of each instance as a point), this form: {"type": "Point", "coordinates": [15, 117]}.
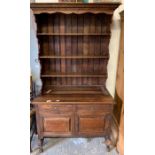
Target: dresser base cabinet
{"type": "Point", "coordinates": [73, 43]}
{"type": "Point", "coordinates": [72, 117]}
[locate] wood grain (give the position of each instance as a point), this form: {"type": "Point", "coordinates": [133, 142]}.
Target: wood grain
{"type": "Point", "coordinates": [77, 8]}
{"type": "Point", "coordinates": [56, 124]}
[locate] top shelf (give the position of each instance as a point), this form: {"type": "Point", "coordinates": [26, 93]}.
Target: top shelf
{"type": "Point", "coordinates": [73, 34]}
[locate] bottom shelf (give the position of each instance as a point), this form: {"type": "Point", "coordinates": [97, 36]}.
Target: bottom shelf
{"type": "Point", "coordinates": [74, 95]}
{"type": "Point", "coordinates": [75, 90]}
{"type": "Point", "coordinates": [68, 99]}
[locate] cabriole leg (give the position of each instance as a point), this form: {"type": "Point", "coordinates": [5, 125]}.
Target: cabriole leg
{"type": "Point", "coordinates": [41, 141]}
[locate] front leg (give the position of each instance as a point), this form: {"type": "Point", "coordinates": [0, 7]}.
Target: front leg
{"type": "Point", "coordinates": [110, 134]}
{"type": "Point", "coordinates": [108, 143]}
{"type": "Point", "coordinates": [41, 141]}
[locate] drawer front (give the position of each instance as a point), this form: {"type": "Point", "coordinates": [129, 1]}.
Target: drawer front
{"type": "Point", "coordinates": [94, 109]}
{"type": "Point", "coordinates": [55, 109]}
{"type": "Point", "coordinates": [57, 124]}
{"type": "Point", "coordinates": [91, 125]}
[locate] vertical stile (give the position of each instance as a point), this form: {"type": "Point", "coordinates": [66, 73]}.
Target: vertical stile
{"type": "Point", "coordinates": [57, 45]}
{"type": "Point", "coordinates": [74, 46]}
{"type": "Point", "coordinates": [80, 45]}
{"type": "Point", "coordinates": [96, 52]}
{"type": "Point", "coordinates": [85, 46]}
{"type": "Point", "coordinates": [50, 43]}
{"type": "Point", "coordinates": [92, 47]}
{"type": "Point", "coordinates": [103, 30]}
{"type": "Point", "coordinates": [62, 46]}
{"type": "Point", "coordinates": [106, 20]}
{"type": "Point", "coordinates": [98, 30]}
{"type": "Point", "coordinates": [44, 40]}
{"type": "Point", "coordinates": [68, 46]}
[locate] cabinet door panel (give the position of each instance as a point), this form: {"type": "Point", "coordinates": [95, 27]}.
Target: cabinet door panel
{"type": "Point", "coordinates": [57, 124]}
{"type": "Point", "coordinates": [91, 124]}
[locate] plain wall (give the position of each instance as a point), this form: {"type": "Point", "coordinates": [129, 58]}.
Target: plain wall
{"type": "Point", "coordinates": [114, 51]}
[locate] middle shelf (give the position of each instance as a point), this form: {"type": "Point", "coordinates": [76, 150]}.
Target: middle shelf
{"type": "Point", "coordinates": [72, 34]}
{"type": "Point", "coordinates": [73, 57]}
{"type": "Point", "coordinates": [55, 74]}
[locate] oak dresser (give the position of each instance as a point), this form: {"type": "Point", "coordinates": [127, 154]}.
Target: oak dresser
{"type": "Point", "coordinates": [74, 52]}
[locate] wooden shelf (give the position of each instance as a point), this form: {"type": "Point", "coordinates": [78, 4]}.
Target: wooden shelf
{"type": "Point", "coordinates": [74, 47]}
{"type": "Point", "coordinates": [75, 98]}
{"type": "Point", "coordinates": [73, 34]}
{"type": "Point", "coordinates": [74, 57]}
{"type": "Point", "coordinates": [77, 86]}
{"type": "Point", "coordinates": [75, 90]}
{"type": "Point", "coordinates": [73, 75]}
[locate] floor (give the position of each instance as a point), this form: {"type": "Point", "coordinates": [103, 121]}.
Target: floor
{"type": "Point", "coordinates": [72, 146]}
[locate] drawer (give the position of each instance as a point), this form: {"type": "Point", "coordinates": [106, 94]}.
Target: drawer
{"type": "Point", "coordinates": [55, 109]}
{"type": "Point", "coordinates": [94, 109]}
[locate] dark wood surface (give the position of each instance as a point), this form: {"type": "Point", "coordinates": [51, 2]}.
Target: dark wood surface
{"type": "Point", "coordinates": [74, 57]}
{"type": "Point", "coordinates": [77, 8]}
{"type": "Point", "coordinates": [74, 52]}
{"type": "Point", "coordinates": [74, 41]}
{"type": "Point", "coordinates": [74, 99]}
{"type": "Point", "coordinates": [61, 119]}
